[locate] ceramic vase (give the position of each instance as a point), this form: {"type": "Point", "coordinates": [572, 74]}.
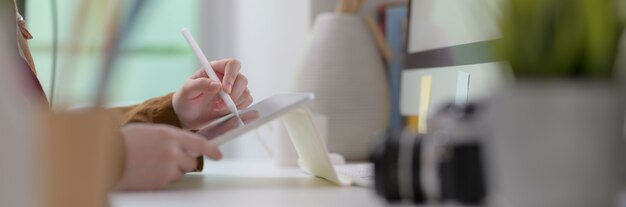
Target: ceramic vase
{"type": "Point", "coordinates": [344, 69]}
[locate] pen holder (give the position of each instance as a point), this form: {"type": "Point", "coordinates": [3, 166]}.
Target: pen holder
{"type": "Point", "coordinates": [81, 157]}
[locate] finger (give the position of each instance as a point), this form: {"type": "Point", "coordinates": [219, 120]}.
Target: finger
{"type": "Point", "coordinates": [212, 152]}
{"type": "Point", "coordinates": [211, 92]}
{"type": "Point", "coordinates": [200, 73]}
{"type": "Point", "coordinates": [194, 88]}
{"type": "Point", "coordinates": [214, 89]}
{"type": "Point", "coordinates": [194, 143]}
{"type": "Point", "coordinates": [244, 96]}
{"type": "Point", "coordinates": [247, 101]}
{"type": "Point", "coordinates": [241, 84]}
{"type": "Point", "coordinates": [197, 87]}
{"type": "Point", "coordinates": [230, 68]}
{"type": "Point", "coordinates": [250, 115]}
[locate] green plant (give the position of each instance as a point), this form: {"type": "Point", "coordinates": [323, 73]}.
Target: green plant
{"type": "Point", "coordinates": [560, 38]}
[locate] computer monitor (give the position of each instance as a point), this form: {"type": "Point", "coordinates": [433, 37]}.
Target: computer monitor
{"type": "Point", "coordinates": [445, 39]}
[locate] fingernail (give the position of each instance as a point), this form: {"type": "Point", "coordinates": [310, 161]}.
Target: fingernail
{"type": "Point", "coordinates": [216, 86]}
{"type": "Point", "coordinates": [217, 155]}
{"type": "Point", "coordinates": [214, 153]}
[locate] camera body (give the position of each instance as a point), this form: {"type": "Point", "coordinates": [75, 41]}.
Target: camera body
{"type": "Point", "coordinates": [446, 164]}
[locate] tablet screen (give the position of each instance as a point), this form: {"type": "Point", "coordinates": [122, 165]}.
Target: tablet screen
{"type": "Point", "coordinates": [227, 128]}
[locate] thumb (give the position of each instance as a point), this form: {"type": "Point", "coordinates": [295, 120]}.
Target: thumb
{"type": "Point", "coordinates": [195, 88]}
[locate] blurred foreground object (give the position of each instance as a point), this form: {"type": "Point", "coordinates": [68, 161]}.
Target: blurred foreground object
{"type": "Point", "coordinates": [342, 66]}
{"type": "Point", "coordinates": [556, 144]}
{"type": "Point", "coordinates": [54, 159]}
{"type": "Point", "coordinates": [82, 155]}
{"type": "Point", "coordinates": [561, 38]}
{"type": "Point", "coordinates": [49, 159]}
{"type": "Point", "coordinates": [557, 134]}
{"type": "Point", "coordinates": [17, 157]}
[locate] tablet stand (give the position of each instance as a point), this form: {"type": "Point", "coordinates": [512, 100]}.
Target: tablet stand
{"type": "Point", "coordinates": [309, 145]}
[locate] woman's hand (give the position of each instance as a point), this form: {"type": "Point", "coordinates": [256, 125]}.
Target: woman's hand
{"type": "Point", "coordinates": [198, 102]}
{"type": "Point", "coordinates": [158, 154]}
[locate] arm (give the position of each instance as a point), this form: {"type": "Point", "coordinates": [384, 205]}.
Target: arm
{"type": "Point", "coordinates": [196, 103]}
{"type": "Point", "coordinates": [158, 154]}
{"type": "Point", "coordinates": [156, 110]}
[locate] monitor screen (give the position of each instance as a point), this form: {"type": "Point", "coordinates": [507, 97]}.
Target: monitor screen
{"type": "Point", "coordinates": [446, 38]}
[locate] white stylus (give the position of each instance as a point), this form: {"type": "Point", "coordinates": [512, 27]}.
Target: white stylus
{"type": "Point", "coordinates": [209, 71]}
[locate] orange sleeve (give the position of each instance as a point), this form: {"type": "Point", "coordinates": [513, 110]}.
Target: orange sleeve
{"type": "Point", "coordinates": [156, 110]}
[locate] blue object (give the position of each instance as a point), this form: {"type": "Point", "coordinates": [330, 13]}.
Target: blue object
{"type": "Point", "coordinates": [395, 17]}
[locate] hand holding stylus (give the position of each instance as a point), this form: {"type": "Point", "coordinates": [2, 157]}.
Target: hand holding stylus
{"type": "Point", "coordinates": [209, 70]}
{"type": "Point", "coordinates": [198, 102]}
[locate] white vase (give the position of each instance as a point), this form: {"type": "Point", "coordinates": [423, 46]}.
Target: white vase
{"type": "Point", "coordinates": [556, 144]}
{"type": "Point", "coordinates": [343, 67]}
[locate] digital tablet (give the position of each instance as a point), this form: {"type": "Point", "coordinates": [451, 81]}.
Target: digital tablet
{"type": "Point", "coordinates": [228, 127]}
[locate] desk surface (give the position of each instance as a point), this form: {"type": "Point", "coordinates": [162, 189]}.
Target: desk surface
{"type": "Point", "coordinates": [249, 183]}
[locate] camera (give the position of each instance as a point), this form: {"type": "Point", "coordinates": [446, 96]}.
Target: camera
{"type": "Point", "coordinates": [443, 165]}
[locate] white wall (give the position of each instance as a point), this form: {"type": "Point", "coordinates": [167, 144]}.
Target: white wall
{"type": "Point", "coordinates": [268, 37]}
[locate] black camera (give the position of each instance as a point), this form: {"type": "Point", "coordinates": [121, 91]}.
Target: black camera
{"type": "Point", "coordinates": [442, 165]}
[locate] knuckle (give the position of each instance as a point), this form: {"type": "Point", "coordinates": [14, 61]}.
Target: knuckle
{"type": "Point", "coordinates": [189, 82]}
{"type": "Point", "coordinates": [167, 133]}
{"type": "Point", "coordinates": [243, 80]}
{"type": "Point", "coordinates": [205, 81]}
{"type": "Point", "coordinates": [171, 154]}
{"type": "Point", "coordinates": [212, 147]}
{"type": "Point", "coordinates": [167, 154]}
{"type": "Point", "coordinates": [234, 62]}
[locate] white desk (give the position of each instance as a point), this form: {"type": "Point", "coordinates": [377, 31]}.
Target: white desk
{"type": "Point", "coordinates": [250, 183]}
